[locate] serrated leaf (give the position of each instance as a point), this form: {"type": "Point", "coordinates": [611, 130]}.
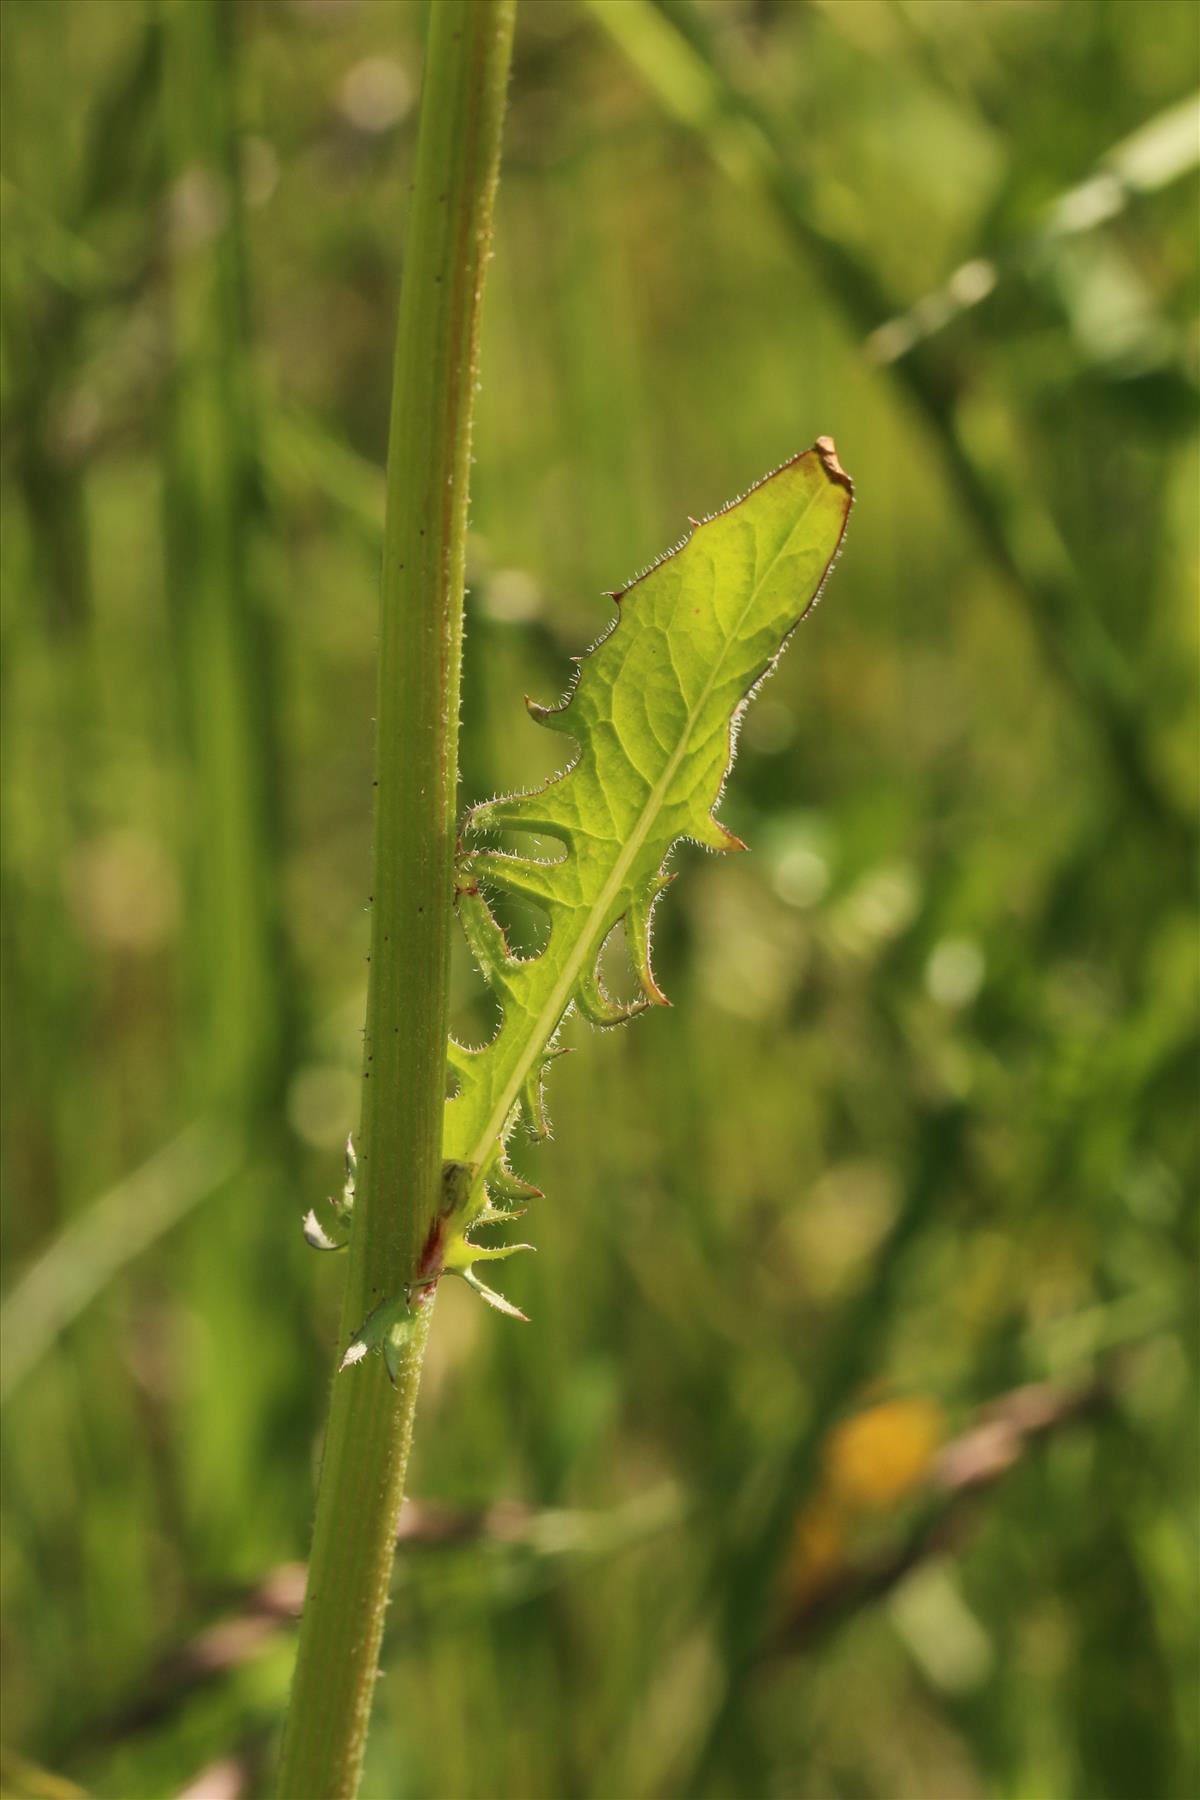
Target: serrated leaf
{"type": "Point", "coordinates": [316, 1236]}
{"type": "Point", "coordinates": [653, 715]}
{"type": "Point", "coordinates": [341, 1205]}
{"type": "Point", "coordinates": [492, 1298]}
{"type": "Point", "coordinates": [384, 1328]}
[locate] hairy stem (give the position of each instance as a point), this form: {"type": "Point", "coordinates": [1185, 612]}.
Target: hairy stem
{"type": "Point", "coordinates": [400, 1137]}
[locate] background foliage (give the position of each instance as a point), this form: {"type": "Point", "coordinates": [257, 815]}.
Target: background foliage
{"type": "Point", "coordinates": [918, 1132]}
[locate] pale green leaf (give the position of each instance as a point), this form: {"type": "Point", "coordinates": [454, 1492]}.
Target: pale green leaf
{"type": "Point", "coordinates": [653, 717]}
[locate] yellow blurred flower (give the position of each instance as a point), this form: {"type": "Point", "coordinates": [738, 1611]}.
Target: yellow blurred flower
{"type": "Point", "coordinates": [880, 1456]}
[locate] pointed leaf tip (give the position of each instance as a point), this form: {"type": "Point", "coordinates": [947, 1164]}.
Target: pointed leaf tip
{"type": "Point", "coordinates": [597, 1006]}
{"type": "Point", "coordinates": [495, 1300]}
{"type": "Point", "coordinates": [506, 1184]}
{"type": "Point", "coordinates": [549, 716]}
{"type": "Point", "coordinates": [826, 449]}
{"type": "Point", "coordinates": [496, 1252]}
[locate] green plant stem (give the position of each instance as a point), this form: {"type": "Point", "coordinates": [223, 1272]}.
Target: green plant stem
{"type": "Point", "coordinates": [404, 1071]}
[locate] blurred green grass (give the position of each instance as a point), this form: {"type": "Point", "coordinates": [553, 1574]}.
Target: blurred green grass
{"type": "Point", "coordinates": [920, 1125]}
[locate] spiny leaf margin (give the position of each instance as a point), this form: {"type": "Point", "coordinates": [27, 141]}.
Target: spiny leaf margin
{"type": "Point", "coordinates": [653, 710]}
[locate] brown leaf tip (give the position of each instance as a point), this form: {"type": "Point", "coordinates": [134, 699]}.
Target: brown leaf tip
{"type": "Point", "coordinates": [826, 449]}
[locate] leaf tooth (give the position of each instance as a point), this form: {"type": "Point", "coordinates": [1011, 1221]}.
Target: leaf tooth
{"type": "Point", "coordinates": [498, 1215]}
{"type": "Point", "coordinates": [506, 1184]}
{"type": "Point", "coordinates": [495, 1252]}
{"type": "Point", "coordinates": [316, 1236]}
{"type": "Point", "coordinates": [486, 938]}
{"type": "Point", "coordinates": [528, 876]}
{"type": "Point", "coordinates": [713, 836]}
{"type": "Point", "coordinates": [599, 1007]}
{"type": "Point", "coordinates": [391, 1316]}
{"type": "Point", "coordinates": [552, 717]}
{"type": "Point", "coordinates": [533, 1103]}
{"type": "Point", "coordinates": [343, 1203]}
{"type": "Point", "coordinates": [461, 1254]}
{"type": "Point", "coordinates": [492, 1297]}
{"type": "Point", "coordinates": [523, 812]}
{"type": "Point", "coordinates": [637, 936]}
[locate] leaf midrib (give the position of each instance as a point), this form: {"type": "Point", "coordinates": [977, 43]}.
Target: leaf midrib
{"type": "Point", "coordinates": [559, 997]}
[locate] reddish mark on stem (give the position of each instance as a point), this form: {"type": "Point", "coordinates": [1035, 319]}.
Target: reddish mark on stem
{"type": "Point", "coordinates": [429, 1264]}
